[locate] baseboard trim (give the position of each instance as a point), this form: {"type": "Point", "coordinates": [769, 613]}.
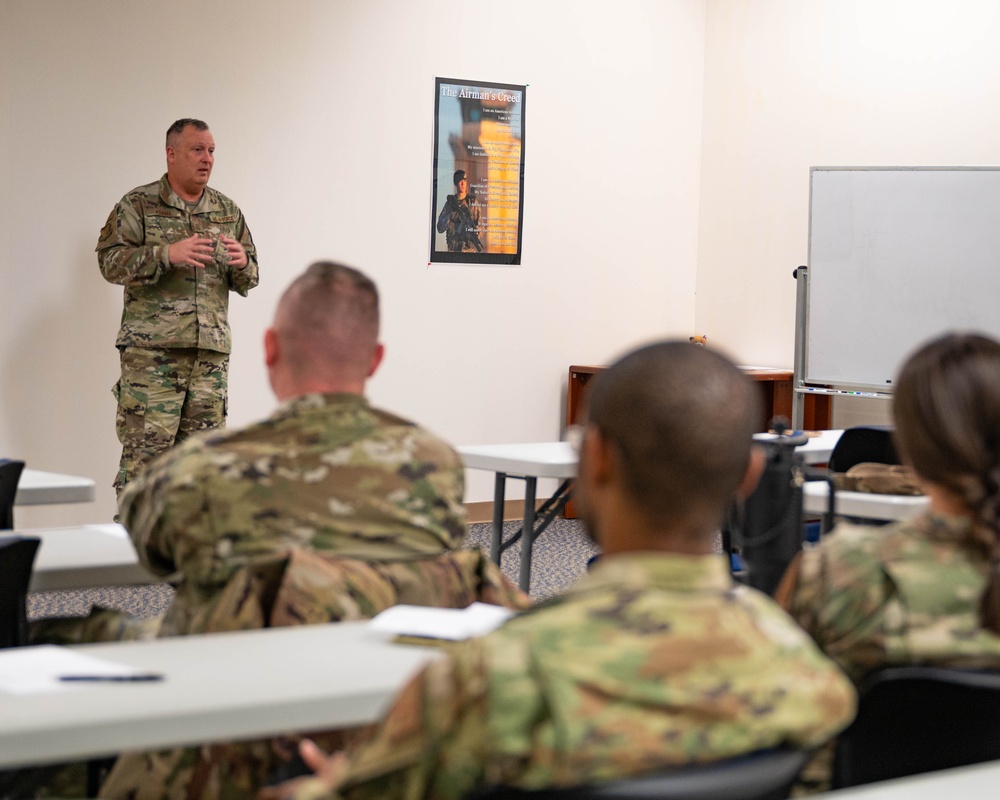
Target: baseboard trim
{"type": "Point", "coordinates": [512, 509]}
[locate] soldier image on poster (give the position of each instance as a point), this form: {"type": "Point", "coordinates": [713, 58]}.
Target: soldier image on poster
{"type": "Point", "coordinates": [459, 219]}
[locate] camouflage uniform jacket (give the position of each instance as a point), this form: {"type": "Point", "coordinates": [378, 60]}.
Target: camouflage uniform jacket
{"type": "Point", "coordinates": [174, 306]}
{"type": "Point", "coordinates": [324, 472]}
{"type": "Point", "coordinates": [900, 594]}
{"type": "Point", "coordinates": [650, 661]}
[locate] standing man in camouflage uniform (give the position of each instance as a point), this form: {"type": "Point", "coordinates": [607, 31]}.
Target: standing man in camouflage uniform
{"type": "Point", "coordinates": [654, 659]}
{"type": "Point", "coordinates": [178, 247]}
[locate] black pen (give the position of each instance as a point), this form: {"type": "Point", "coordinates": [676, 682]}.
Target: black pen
{"type": "Point", "coordinates": [111, 678]}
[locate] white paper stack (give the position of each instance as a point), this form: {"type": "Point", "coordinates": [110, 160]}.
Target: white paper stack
{"type": "Point", "coordinates": [453, 624]}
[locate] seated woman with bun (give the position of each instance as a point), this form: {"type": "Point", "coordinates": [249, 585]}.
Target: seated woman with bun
{"type": "Point", "coordinates": [926, 590]}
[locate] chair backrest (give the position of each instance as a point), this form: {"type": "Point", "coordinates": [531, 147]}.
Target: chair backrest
{"type": "Point", "coordinates": [10, 474]}
{"type": "Point", "coordinates": [766, 529]}
{"type": "Point", "coordinates": [17, 557]}
{"type": "Point", "coordinates": [759, 776]}
{"type": "Point", "coordinates": [863, 443]}
{"type": "Point", "coordinates": [919, 719]}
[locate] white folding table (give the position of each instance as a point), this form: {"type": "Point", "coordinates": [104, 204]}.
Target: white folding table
{"type": "Point", "coordinates": [534, 460]}
{"type": "Point", "coordinates": [977, 782]}
{"type": "Point", "coordinates": [85, 557]}
{"type": "Point", "coordinates": [816, 450]}
{"type": "Point", "coordinates": [527, 462]}
{"type": "Point", "coordinates": [37, 488]}
{"type": "Point", "coordinates": [863, 504]}
{"type": "Point", "coordinates": [217, 687]}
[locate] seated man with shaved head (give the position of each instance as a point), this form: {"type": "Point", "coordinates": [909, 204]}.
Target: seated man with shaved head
{"type": "Point", "coordinates": [326, 472]}
{"type": "Point", "coordinates": [654, 659]}
{"type": "Point", "coordinates": [328, 510]}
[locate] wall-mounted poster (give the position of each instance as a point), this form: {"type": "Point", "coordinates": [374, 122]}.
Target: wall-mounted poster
{"type": "Point", "coordinates": [478, 178]}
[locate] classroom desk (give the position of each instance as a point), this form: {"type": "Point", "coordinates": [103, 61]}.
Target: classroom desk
{"type": "Point", "coordinates": [37, 488]}
{"type": "Point", "coordinates": [85, 557]}
{"type": "Point", "coordinates": [527, 462]}
{"type": "Point", "coordinates": [531, 461]}
{"type": "Point", "coordinates": [863, 504]}
{"type": "Point", "coordinates": [815, 451]}
{"type": "Point", "coordinates": [218, 687]}
{"type": "Point", "coordinates": [977, 782]}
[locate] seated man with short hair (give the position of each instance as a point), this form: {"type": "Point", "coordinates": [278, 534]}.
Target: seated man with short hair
{"type": "Point", "coordinates": [328, 510]}
{"type": "Point", "coordinates": [326, 472]}
{"type": "Point", "coordinates": [655, 659]}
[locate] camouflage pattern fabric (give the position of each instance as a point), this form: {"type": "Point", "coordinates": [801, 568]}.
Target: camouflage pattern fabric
{"type": "Point", "coordinates": [301, 587]}
{"type": "Point", "coordinates": [651, 661]}
{"type": "Point", "coordinates": [271, 525]}
{"type": "Point", "coordinates": [907, 593]}
{"type": "Point", "coordinates": [171, 312]}
{"type": "Point", "coordinates": [324, 472]}
{"type": "Point", "coordinates": [163, 397]}
{"type": "Point", "coordinates": [879, 479]}
{"type": "Point", "coordinates": [174, 306]}
{"type": "Point", "coordinates": [872, 597]}
{"type": "Point", "coordinates": [100, 625]}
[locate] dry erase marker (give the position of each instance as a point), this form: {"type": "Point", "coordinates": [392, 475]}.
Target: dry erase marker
{"type": "Point", "coordinates": [111, 678]}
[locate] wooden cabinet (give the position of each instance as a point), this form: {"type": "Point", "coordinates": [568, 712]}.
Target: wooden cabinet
{"type": "Point", "coordinates": [776, 395]}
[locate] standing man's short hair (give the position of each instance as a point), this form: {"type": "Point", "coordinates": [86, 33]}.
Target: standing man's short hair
{"type": "Point", "coordinates": [178, 127]}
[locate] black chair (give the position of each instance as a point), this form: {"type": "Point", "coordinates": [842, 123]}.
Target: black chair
{"type": "Point", "coordinates": [919, 719]}
{"type": "Point", "coordinates": [766, 528]}
{"type": "Point", "coordinates": [10, 474]}
{"type": "Point", "coordinates": [17, 557]}
{"type": "Point", "coordinates": [759, 776]}
{"type": "Point", "coordinates": [863, 443]}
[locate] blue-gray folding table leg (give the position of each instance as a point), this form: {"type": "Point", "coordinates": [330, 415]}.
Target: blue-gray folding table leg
{"type": "Point", "coordinates": [528, 537]}
{"type": "Point", "coordinates": [499, 485]}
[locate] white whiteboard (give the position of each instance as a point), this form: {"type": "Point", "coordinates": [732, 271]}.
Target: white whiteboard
{"type": "Point", "coordinates": [897, 255]}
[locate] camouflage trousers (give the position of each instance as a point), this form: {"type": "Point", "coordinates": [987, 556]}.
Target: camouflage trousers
{"type": "Point", "coordinates": [163, 397]}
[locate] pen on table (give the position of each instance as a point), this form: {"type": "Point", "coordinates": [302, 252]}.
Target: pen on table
{"type": "Point", "coordinates": [111, 678]}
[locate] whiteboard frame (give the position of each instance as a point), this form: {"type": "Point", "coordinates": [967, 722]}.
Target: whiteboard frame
{"type": "Point", "coordinates": [808, 379]}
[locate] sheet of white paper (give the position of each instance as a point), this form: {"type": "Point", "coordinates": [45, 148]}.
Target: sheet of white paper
{"type": "Point", "coordinates": [441, 623]}
{"type": "Point", "coordinates": [30, 670]}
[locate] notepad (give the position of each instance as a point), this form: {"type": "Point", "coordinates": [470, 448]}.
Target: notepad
{"type": "Point", "coordinates": [453, 624]}
{"type": "Point", "coordinates": [33, 670]}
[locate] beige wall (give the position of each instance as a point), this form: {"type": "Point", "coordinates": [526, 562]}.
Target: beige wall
{"type": "Point", "coordinates": [791, 84]}
{"type": "Point", "coordinates": [322, 114]}
{"type": "Point", "coordinates": [668, 150]}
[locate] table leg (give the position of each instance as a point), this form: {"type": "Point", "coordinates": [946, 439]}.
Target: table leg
{"type": "Point", "coordinates": [528, 537]}
{"type": "Point", "coordinates": [499, 486]}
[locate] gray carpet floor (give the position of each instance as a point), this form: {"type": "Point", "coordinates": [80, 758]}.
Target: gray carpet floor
{"type": "Point", "coordinates": [560, 556]}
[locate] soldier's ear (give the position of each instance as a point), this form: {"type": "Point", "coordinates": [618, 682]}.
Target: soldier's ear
{"type": "Point", "coordinates": [377, 357]}
{"type": "Point", "coordinates": [272, 350]}
{"type": "Point", "coordinates": [598, 454]}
